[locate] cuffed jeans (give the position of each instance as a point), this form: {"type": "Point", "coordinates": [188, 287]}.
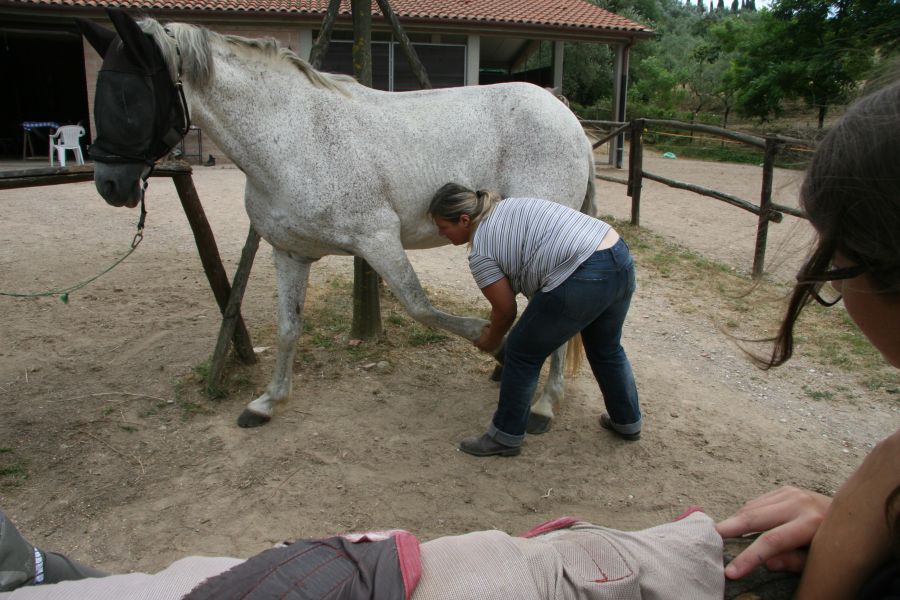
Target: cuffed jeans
{"type": "Point", "coordinates": [594, 300]}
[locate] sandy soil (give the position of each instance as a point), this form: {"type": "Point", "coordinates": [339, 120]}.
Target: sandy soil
{"type": "Point", "coordinates": [101, 459]}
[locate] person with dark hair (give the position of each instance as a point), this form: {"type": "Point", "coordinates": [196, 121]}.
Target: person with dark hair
{"type": "Point", "coordinates": [578, 275]}
{"type": "Point", "coordinates": [851, 195]}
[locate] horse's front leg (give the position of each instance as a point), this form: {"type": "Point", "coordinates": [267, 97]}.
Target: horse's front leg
{"type": "Point", "coordinates": [385, 254]}
{"type": "Point", "coordinates": [293, 276]}
{"type": "Point", "coordinates": [554, 388]}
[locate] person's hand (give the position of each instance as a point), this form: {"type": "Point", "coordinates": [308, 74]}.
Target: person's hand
{"type": "Point", "coordinates": [788, 517]}
{"type": "Point", "coordinates": [486, 342]}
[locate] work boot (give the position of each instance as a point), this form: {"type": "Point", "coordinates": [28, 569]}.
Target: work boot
{"type": "Point", "coordinates": [606, 423]}
{"type": "Point", "coordinates": [484, 445]}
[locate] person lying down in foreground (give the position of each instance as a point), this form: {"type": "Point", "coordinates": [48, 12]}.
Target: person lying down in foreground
{"type": "Point", "coordinates": [557, 560]}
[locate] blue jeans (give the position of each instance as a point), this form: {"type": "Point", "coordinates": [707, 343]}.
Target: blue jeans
{"type": "Point", "coordinates": [594, 300]}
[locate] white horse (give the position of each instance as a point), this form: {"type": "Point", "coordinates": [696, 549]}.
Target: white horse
{"type": "Point", "coordinates": [332, 167]}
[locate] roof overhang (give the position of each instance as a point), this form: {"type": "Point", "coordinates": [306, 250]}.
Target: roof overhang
{"type": "Point", "coordinates": [44, 10]}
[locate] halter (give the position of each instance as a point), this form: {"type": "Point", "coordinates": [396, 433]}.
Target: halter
{"type": "Point", "coordinates": [136, 93]}
{"type": "Point", "coordinates": [180, 133]}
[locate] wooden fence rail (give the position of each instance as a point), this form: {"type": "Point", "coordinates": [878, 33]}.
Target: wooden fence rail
{"type": "Point", "coordinates": [767, 210]}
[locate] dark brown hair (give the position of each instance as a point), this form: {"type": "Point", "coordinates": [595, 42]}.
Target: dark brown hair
{"type": "Point", "coordinates": [851, 195]}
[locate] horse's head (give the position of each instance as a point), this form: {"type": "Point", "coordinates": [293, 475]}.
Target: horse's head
{"type": "Point", "coordinates": [139, 113]}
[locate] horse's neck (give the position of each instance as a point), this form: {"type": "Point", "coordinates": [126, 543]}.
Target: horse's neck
{"type": "Point", "coordinates": [246, 106]}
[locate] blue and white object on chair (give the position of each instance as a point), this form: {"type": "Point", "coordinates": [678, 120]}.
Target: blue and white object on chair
{"type": "Point", "coordinates": [67, 137]}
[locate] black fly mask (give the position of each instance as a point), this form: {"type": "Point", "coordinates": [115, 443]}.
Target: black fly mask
{"type": "Point", "coordinates": [140, 115]}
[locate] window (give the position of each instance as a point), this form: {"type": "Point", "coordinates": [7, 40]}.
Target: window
{"type": "Point", "coordinates": [444, 63]}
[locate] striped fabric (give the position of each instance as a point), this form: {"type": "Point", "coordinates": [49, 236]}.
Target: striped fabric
{"type": "Point", "coordinates": [535, 243]}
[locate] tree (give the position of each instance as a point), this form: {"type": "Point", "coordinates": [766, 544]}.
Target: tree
{"type": "Point", "coordinates": [707, 82]}
{"type": "Point", "coordinates": [587, 73]}
{"type": "Point", "coordinates": [814, 50]}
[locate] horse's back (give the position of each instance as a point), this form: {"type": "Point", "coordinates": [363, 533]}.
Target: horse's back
{"type": "Point", "coordinates": [516, 138]}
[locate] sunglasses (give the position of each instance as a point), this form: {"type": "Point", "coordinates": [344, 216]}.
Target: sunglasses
{"type": "Point", "coordinates": [827, 295]}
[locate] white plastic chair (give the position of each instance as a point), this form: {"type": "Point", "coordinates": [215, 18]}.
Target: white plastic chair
{"type": "Point", "coordinates": [66, 138]}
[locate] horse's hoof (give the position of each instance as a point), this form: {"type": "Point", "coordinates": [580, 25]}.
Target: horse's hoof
{"type": "Point", "coordinates": [497, 375]}
{"type": "Point", "coordinates": [538, 424]}
{"type": "Point", "coordinates": [249, 418]}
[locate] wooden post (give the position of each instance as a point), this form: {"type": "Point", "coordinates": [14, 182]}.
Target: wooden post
{"type": "Point", "coordinates": [366, 283]}
{"type": "Point", "coordinates": [362, 41]}
{"type": "Point", "coordinates": [631, 162]}
{"type": "Point", "coordinates": [232, 313]}
{"type": "Point", "coordinates": [636, 169]}
{"type": "Point", "coordinates": [415, 64]}
{"type": "Point", "coordinates": [765, 207]}
{"type": "Point", "coordinates": [320, 47]}
{"type": "Point", "coordinates": [212, 263]}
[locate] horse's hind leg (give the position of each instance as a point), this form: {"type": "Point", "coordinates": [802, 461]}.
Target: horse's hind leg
{"type": "Point", "coordinates": [292, 276]}
{"type": "Point", "coordinates": [542, 409]}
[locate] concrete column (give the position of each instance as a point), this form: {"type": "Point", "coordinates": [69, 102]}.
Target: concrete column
{"type": "Point", "coordinates": [558, 67]}
{"type": "Point", "coordinates": [620, 88]}
{"type": "Point", "coordinates": [473, 59]}
{"type": "Point", "coordinates": [306, 43]}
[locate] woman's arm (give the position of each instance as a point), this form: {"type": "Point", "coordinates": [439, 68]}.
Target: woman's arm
{"type": "Point", "coordinates": [849, 536]}
{"type": "Point", "coordinates": [854, 540]}
{"type": "Point", "coordinates": [503, 313]}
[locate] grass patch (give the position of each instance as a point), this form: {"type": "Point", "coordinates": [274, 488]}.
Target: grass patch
{"type": "Point", "coordinates": [199, 374]}
{"type": "Point", "coordinates": [422, 336]}
{"type": "Point", "coordinates": [18, 471]}
{"type": "Point", "coordinates": [817, 394]}
{"type": "Point", "coordinates": [188, 407]}
{"type": "Point", "coordinates": [704, 148]}
{"type": "Point", "coordinates": [13, 471]}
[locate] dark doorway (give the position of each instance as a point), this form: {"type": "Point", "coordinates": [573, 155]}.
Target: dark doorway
{"type": "Point", "coordinates": [42, 68]}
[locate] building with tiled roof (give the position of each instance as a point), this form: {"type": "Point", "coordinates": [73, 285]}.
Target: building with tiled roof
{"type": "Point", "coordinates": [460, 42]}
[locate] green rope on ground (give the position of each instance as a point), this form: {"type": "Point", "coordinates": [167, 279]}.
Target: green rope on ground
{"type": "Point", "coordinates": [63, 293]}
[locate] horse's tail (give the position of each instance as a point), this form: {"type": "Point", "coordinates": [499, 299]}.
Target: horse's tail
{"type": "Point", "coordinates": [574, 355]}
{"type": "Point", "coordinates": [589, 206]}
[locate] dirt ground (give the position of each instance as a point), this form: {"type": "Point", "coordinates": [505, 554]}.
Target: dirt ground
{"type": "Point", "coordinates": [109, 451]}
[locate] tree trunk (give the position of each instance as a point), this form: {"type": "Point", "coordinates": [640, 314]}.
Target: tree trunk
{"type": "Point", "coordinates": [321, 45]}
{"type": "Point", "coordinates": [366, 283]}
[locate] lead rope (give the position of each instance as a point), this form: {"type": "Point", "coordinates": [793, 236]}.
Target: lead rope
{"type": "Point", "coordinates": [63, 293]}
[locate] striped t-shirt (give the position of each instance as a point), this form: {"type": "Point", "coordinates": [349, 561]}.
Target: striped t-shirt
{"type": "Point", "coordinates": [534, 243]}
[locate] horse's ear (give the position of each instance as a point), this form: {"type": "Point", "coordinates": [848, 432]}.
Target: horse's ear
{"type": "Point", "coordinates": [139, 45]}
{"type": "Point", "coordinates": [99, 37]}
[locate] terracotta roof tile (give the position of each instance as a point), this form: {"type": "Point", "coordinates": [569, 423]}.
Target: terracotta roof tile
{"type": "Point", "coordinates": [574, 14]}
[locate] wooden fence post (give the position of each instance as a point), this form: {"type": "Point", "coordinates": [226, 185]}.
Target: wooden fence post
{"type": "Point", "coordinates": [765, 207]}
{"type": "Point", "coordinates": [636, 169]}
{"type": "Point", "coordinates": [320, 47]}
{"type": "Point", "coordinates": [232, 313]}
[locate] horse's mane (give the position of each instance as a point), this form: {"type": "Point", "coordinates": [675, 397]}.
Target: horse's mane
{"type": "Point", "coordinates": [194, 53]}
